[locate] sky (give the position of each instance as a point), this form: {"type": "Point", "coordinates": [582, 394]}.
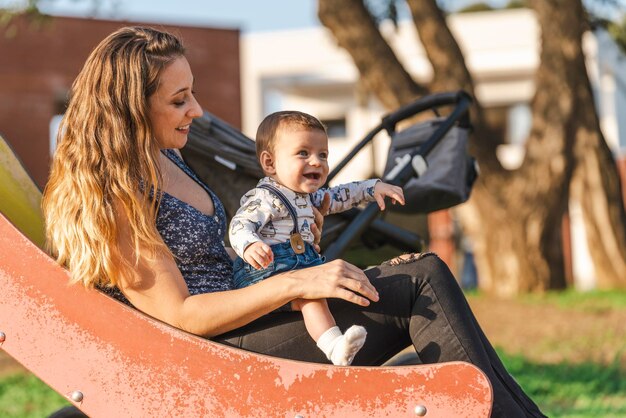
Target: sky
{"type": "Point", "coordinates": [246, 15]}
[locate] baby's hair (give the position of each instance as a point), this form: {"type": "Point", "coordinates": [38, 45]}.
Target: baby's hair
{"type": "Point", "coordinates": [286, 119]}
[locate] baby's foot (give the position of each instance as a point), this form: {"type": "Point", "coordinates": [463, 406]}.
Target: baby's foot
{"type": "Point", "coordinates": [348, 345]}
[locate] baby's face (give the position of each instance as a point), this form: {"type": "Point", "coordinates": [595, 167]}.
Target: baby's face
{"type": "Point", "coordinates": [301, 159]}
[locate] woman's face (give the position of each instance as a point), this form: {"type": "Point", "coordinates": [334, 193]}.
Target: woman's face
{"type": "Point", "coordinates": [172, 107]}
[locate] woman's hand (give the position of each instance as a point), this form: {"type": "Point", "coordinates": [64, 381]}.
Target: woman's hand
{"type": "Point", "coordinates": [319, 214]}
{"type": "Point", "coordinates": [336, 279]}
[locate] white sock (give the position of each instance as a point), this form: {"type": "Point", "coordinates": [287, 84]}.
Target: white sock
{"type": "Point", "coordinates": [341, 349]}
{"type": "Point", "coordinates": [348, 345]}
{"type": "Point", "coordinates": [326, 342]}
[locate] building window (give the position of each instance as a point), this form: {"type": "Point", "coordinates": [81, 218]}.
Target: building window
{"type": "Point", "coordinates": [336, 127]}
{"type": "Point", "coordinates": [60, 104]}
{"type": "Point", "coordinates": [518, 122]}
{"type": "Point", "coordinates": [55, 122]}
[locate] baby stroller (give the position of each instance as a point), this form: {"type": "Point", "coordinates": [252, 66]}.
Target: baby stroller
{"type": "Point", "coordinates": [428, 159]}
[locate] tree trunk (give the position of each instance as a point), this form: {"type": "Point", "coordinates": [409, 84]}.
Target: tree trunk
{"type": "Point", "coordinates": [356, 32]}
{"type": "Point", "coordinates": [596, 184]}
{"type": "Point", "coordinates": [513, 242]}
{"type": "Point", "coordinates": [444, 54]}
{"type": "Point", "coordinates": [450, 73]}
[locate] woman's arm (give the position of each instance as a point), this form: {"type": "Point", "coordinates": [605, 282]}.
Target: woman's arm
{"type": "Point", "coordinates": [160, 291]}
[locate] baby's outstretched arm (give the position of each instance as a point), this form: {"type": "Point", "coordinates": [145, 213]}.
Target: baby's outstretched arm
{"type": "Point", "coordinates": [382, 190]}
{"type": "Point", "coordinates": [258, 255]}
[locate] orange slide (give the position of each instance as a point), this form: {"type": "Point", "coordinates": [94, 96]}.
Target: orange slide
{"type": "Point", "coordinates": [113, 361]}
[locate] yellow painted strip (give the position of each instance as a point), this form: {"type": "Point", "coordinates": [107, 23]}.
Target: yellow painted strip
{"type": "Point", "coordinates": [20, 199]}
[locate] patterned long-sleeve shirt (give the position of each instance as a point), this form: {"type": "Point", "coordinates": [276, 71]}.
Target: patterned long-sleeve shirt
{"type": "Point", "coordinates": [263, 217]}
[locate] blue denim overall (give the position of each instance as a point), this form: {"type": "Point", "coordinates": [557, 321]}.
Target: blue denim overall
{"type": "Point", "coordinates": [285, 258]}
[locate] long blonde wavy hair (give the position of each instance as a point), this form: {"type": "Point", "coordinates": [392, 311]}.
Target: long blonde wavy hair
{"type": "Point", "coordinates": [106, 160]}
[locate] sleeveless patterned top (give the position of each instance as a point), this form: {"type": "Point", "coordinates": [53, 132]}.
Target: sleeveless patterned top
{"type": "Point", "coordinates": [196, 240]}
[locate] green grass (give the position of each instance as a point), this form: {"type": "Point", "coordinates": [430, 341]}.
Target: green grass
{"type": "Point", "coordinates": [22, 395]}
{"type": "Point", "coordinates": [592, 301]}
{"type": "Point", "coordinates": [572, 390]}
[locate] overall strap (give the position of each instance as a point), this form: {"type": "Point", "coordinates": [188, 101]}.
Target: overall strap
{"type": "Point", "coordinates": [283, 198]}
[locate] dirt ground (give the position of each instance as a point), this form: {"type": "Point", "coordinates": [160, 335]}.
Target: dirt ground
{"type": "Point", "coordinates": [8, 365]}
{"type": "Point", "coordinates": [542, 332]}
{"type": "Point", "coordinates": [548, 333]}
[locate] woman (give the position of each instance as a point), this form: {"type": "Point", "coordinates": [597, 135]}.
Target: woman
{"type": "Point", "coordinates": [124, 213]}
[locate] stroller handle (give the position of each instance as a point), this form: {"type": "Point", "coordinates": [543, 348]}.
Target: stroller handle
{"type": "Point", "coordinates": [427, 103]}
{"type": "Point", "coordinates": [460, 99]}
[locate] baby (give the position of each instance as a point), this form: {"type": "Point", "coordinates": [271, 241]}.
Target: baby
{"type": "Point", "coordinates": [271, 232]}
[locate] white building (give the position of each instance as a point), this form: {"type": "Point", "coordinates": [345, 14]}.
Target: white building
{"type": "Point", "coordinates": [306, 70]}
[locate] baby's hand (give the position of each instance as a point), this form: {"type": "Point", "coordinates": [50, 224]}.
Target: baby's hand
{"type": "Point", "coordinates": [382, 190]}
{"type": "Point", "coordinates": [258, 255]}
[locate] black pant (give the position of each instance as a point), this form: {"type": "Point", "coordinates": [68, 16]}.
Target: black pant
{"type": "Point", "coordinates": [420, 303]}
